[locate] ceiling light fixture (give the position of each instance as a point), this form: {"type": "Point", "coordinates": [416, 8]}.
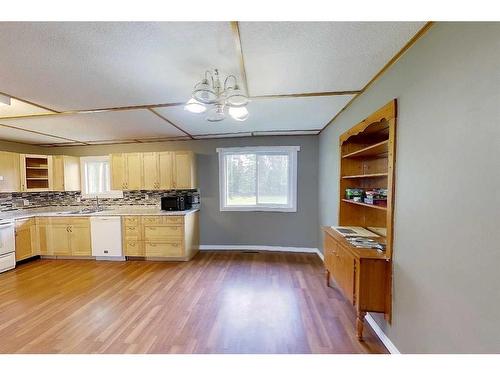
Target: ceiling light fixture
{"type": "Point", "coordinates": [228, 98]}
{"type": "Point", "coordinates": [4, 100]}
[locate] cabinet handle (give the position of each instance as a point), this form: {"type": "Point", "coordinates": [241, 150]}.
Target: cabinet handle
{"type": "Point", "coordinates": [152, 244]}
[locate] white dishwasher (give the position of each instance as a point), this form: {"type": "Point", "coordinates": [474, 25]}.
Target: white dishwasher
{"type": "Point", "coordinates": [106, 234]}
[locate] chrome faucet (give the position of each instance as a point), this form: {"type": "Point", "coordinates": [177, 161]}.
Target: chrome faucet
{"type": "Point", "coordinates": [97, 203]}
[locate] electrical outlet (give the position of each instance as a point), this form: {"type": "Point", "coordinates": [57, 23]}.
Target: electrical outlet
{"type": "Point", "coordinates": [26, 202]}
{"type": "Point", "coordinates": [147, 196]}
{"type": "Point", "coordinates": [78, 199]}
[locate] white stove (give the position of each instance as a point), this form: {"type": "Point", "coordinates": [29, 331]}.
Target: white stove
{"type": "Point", "coordinates": [7, 245]}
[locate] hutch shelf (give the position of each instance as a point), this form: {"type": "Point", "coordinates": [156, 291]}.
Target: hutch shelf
{"type": "Point", "coordinates": [367, 158]}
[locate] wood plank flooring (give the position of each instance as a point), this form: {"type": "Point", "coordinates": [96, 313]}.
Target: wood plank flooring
{"type": "Point", "coordinates": [220, 302]}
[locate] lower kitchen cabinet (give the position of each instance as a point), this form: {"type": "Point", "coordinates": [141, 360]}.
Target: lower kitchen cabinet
{"type": "Point", "coordinates": [25, 230]}
{"type": "Point", "coordinates": [169, 237]}
{"type": "Point", "coordinates": [67, 237]}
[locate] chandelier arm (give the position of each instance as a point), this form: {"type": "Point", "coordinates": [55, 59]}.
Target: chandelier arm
{"type": "Point", "coordinates": [208, 74]}
{"type": "Point", "coordinates": [227, 78]}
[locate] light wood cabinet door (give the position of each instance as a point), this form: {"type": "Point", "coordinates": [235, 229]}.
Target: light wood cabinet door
{"type": "Point", "coordinates": [150, 166]}
{"type": "Point", "coordinates": [165, 170]}
{"type": "Point", "coordinates": [59, 243]}
{"type": "Point", "coordinates": [42, 239]}
{"type": "Point", "coordinates": [345, 274]}
{"type": "Point", "coordinates": [134, 171]}
{"type": "Point", "coordinates": [72, 173]}
{"type": "Point", "coordinates": [134, 248]}
{"type": "Point", "coordinates": [10, 180]}
{"type": "Point", "coordinates": [24, 239]}
{"type": "Point", "coordinates": [57, 183]}
{"type": "Point", "coordinates": [80, 242]}
{"type": "Point", "coordinates": [118, 168]}
{"type": "Point", "coordinates": [184, 176]}
{"type": "Point", "coordinates": [164, 249]}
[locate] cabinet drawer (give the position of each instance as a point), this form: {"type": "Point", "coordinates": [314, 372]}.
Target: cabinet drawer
{"type": "Point", "coordinates": [134, 248]}
{"type": "Point", "coordinates": [174, 220]}
{"type": "Point", "coordinates": [132, 232]}
{"type": "Point", "coordinates": [152, 220]}
{"type": "Point", "coordinates": [157, 232]}
{"type": "Point", "coordinates": [164, 249]}
{"type": "Point", "coordinates": [131, 220]}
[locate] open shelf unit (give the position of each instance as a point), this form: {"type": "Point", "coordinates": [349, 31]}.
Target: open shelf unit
{"type": "Point", "coordinates": [350, 201]}
{"type": "Point", "coordinates": [35, 170]}
{"type": "Point", "coordinates": [367, 160]}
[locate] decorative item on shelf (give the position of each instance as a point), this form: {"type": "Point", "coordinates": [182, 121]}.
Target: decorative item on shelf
{"type": "Point", "coordinates": [377, 197]}
{"type": "Point", "coordinates": [227, 98]}
{"type": "Point", "coordinates": [354, 194]}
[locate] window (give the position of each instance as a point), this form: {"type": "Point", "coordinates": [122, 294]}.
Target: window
{"type": "Point", "coordinates": [258, 178]}
{"type": "Point", "coordinates": [96, 179]}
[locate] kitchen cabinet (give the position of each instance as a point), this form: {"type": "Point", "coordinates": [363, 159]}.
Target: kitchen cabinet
{"type": "Point", "coordinates": [65, 173]}
{"type": "Point", "coordinates": [162, 237]}
{"type": "Point", "coordinates": [157, 171]}
{"type": "Point", "coordinates": [126, 171]}
{"type": "Point", "coordinates": [361, 275]}
{"type": "Point", "coordinates": [25, 230]}
{"type": "Point", "coordinates": [184, 171]}
{"type": "Point", "coordinates": [10, 178]}
{"type": "Point", "coordinates": [69, 237]}
{"type": "Point", "coordinates": [165, 169]}
{"type": "Point", "coordinates": [153, 171]}
{"type": "Point", "coordinates": [36, 172]}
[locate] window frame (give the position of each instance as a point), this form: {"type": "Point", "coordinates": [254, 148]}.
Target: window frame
{"type": "Point", "coordinates": [83, 179]}
{"type": "Point", "coordinates": [291, 151]}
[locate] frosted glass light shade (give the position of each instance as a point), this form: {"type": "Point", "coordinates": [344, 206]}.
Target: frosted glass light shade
{"type": "Point", "coordinates": [204, 93]}
{"type": "Point", "coordinates": [239, 113]}
{"type": "Point", "coordinates": [216, 113]}
{"type": "Point", "coordinates": [195, 106]}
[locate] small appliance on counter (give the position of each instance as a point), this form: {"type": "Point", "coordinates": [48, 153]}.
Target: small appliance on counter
{"type": "Point", "coordinates": [173, 203]}
{"type": "Point", "coordinates": [191, 199]}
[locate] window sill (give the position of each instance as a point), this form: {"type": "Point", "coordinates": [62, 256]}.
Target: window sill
{"type": "Point", "coordinates": [113, 194]}
{"type": "Point", "coordinates": [257, 209]}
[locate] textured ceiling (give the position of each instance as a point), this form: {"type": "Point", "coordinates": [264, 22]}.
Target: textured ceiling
{"type": "Point", "coordinates": [81, 66]}
{"type": "Point", "coordinates": [291, 57]}
{"type": "Point", "coordinates": [17, 108]}
{"type": "Point", "coordinates": [132, 124]}
{"type": "Point", "coordinates": [265, 115]}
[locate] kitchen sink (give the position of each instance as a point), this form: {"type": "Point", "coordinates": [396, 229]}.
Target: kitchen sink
{"type": "Point", "coordinates": [83, 211]}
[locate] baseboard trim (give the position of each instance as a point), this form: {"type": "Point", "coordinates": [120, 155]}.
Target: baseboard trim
{"type": "Point", "coordinates": [287, 249]}
{"type": "Point", "coordinates": [381, 335]}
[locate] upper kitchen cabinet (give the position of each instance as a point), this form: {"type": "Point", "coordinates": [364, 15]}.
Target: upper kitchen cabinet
{"type": "Point", "coordinates": [184, 170]}
{"type": "Point", "coordinates": [156, 171]}
{"type": "Point", "coordinates": [10, 180]}
{"type": "Point", "coordinates": [126, 171]}
{"type": "Point", "coordinates": [65, 173]}
{"type": "Point", "coordinates": [36, 171]}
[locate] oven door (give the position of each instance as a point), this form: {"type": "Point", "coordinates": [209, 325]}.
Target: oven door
{"type": "Point", "coordinates": [7, 238]}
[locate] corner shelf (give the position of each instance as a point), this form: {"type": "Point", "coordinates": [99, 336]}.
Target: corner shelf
{"type": "Point", "coordinates": [378, 149]}
{"type": "Point", "coordinates": [371, 175]}
{"type": "Point", "coordinates": [365, 204]}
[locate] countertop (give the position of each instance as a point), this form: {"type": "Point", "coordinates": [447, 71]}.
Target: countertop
{"type": "Point", "coordinates": [64, 211]}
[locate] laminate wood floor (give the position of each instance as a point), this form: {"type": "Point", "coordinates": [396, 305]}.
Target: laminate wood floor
{"type": "Point", "coordinates": [220, 302]}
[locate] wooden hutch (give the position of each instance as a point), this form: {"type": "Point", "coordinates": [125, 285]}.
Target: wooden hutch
{"type": "Point", "coordinates": [367, 157]}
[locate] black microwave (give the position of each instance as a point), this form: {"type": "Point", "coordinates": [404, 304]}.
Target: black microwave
{"type": "Point", "coordinates": [173, 203]}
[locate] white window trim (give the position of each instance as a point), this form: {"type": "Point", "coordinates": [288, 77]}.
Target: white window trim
{"type": "Point", "coordinates": [292, 181]}
{"type": "Point", "coordinates": [110, 194]}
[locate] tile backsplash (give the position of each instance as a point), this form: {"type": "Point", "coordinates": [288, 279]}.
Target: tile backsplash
{"type": "Point", "coordinates": [15, 201]}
